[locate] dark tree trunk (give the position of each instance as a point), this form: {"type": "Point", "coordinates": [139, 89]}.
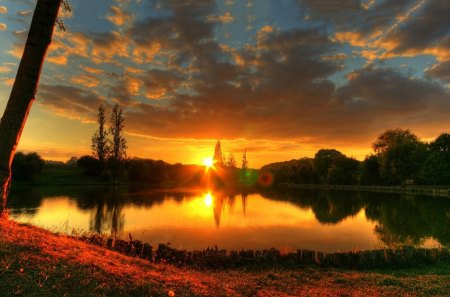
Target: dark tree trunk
{"type": "Point", "coordinates": [24, 88]}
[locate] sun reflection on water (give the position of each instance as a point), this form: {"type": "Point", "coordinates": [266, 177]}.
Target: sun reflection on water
{"type": "Point", "coordinates": [208, 199]}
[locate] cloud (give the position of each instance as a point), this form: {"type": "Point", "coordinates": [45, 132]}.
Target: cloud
{"type": "Point", "coordinates": [440, 71]}
{"type": "Point", "coordinates": [60, 60]}
{"type": "Point", "coordinates": [427, 33]}
{"type": "Point", "coordinates": [70, 102]}
{"type": "Point", "coordinates": [92, 70]}
{"type": "Point", "coordinates": [175, 79]}
{"type": "Point", "coordinates": [118, 16]}
{"type": "Point", "coordinates": [386, 29]}
{"type": "Point", "coordinates": [225, 18]}
{"type": "Point", "coordinates": [24, 13]}
{"type": "Point", "coordinates": [381, 96]}
{"type": "Point", "coordinates": [5, 69]}
{"type": "Point", "coordinates": [89, 81]}
{"type": "Point", "coordinates": [3, 27]}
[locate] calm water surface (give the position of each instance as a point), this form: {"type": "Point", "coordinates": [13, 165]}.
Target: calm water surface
{"type": "Point", "coordinates": [307, 219]}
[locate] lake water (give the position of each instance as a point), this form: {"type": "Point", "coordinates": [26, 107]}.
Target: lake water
{"type": "Point", "coordinates": [306, 219]}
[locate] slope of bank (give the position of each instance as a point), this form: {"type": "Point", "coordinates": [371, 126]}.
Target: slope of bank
{"type": "Point", "coordinates": [36, 262]}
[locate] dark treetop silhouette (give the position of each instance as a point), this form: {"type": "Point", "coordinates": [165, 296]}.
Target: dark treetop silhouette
{"type": "Point", "coordinates": [25, 87]}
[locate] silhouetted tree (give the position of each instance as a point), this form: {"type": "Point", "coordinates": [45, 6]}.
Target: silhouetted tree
{"type": "Point", "coordinates": [26, 166]}
{"type": "Point", "coordinates": [100, 147]}
{"type": "Point", "coordinates": [370, 171]}
{"type": "Point", "coordinates": [324, 159]}
{"type": "Point", "coordinates": [244, 160]}
{"type": "Point", "coordinates": [231, 162]}
{"type": "Point", "coordinates": [441, 143]}
{"type": "Point", "coordinates": [24, 88]}
{"type": "Point", "coordinates": [89, 165]}
{"type": "Point", "coordinates": [401, 155]}
{"type": "Point", "coordinates": [436, 168]}
{"type": "Point", "coordinates": [72, 161]}
{"type": "Point", "coordinates": [218, 156]}
{"type": "Point", "coordinates": [118, 142]}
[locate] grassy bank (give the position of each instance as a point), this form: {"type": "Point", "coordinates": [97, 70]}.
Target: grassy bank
{"type": "Point", "coordinates": [36, 262]}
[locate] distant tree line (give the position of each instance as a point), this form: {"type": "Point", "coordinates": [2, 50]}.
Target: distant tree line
{"type": "Point", "coordinates": [399, 158]}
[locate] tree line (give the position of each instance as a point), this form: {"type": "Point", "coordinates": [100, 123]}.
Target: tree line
{"type": "Point", "coordinates": [399, 158]}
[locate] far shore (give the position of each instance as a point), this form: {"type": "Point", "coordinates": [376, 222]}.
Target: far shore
{"type": "Point", "coordinates": [436, 191]}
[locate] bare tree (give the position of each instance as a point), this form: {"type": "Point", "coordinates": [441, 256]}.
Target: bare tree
{"type": "Point", "coordinates": [25, 88]}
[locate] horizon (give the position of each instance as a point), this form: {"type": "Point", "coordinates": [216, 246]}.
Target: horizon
{"type": "Point", "coordinates": [280, 79]}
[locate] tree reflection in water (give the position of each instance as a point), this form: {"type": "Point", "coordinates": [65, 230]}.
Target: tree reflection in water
{"type": "Point", "coordinates": [400, 219]}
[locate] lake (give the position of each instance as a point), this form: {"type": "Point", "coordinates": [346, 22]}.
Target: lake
{"type": "Point", "coordinates": [288, 220]}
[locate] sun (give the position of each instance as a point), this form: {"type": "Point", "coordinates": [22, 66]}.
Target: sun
{"type": "Point", "coordinates": [208, 162]}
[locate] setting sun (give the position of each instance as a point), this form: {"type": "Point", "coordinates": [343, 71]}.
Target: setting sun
{"type": "Point", "coordinates": [208, 162]}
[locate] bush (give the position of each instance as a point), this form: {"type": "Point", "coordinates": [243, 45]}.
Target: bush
{"type": "Point", "coordinates": [89, 165]}
{"type": "Point", "coordinates": [27, 166]}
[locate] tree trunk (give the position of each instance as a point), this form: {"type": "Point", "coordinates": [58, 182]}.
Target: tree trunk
{"type": "Point", "coordinates": [24, 88]}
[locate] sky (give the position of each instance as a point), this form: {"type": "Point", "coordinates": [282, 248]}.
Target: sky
{"type": "Point", "coordinates": [280, 78]}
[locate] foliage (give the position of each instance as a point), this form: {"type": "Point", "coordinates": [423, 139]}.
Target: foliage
{"type": "Point", "coordinates": [118, 142]}
{"type": "Point", "coordinates": [89, 165]}
{"type": "Point", "coordinates": [324, 160]}
{"type": "Point", "coordinates": [147, 171]}
{"type": "Point", "coordinates": [231, 162]}
{"type": "Point", "coordinates": [441, 143]}
{"type": "Point", "coordinates": [100, 145]}
{"type": "Point", "coordinates": [218, 156]}
{"type": "Point", "coordinates": [370, 171]}
{"type": "Point", "coordinates": [401, 155]}
{"type": "Point", "coordinates": [295, 171]}
{"type": "Point", "coordinates": [436, 168]}
{"type": "Point", "coordinates": [244, 160]}
{"type": "Point", "coordinates": [27, 166]}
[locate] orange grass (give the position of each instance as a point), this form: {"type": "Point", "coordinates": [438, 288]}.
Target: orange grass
{"type": "Point", "coordinates": [36, 262]}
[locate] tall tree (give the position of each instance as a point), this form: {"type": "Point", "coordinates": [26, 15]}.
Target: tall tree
{"type": "Point", "coordinates": [119, 143]}
{"type": "Point", "coordinates": [100, 147]}
{"type": "Point", "coordinates": [401, 155]}
{"type": "Point", "coordinates": [25, 88]}
{"type": "Point", "coordinates": [244, 160]}
{"type": "Point", "coordinates": [218, 156]}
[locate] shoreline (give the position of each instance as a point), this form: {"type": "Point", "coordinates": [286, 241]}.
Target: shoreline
{"type": "Point", "coordinates": [441, 191]}
{"type": "Point", "coordinates": [37, 262]}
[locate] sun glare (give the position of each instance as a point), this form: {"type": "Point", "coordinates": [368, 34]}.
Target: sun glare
{"type": "Point", "coordinates": [208, 162]}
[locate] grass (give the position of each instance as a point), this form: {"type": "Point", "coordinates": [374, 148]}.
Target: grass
{"type": "Point", "coordinates": [35, 262]}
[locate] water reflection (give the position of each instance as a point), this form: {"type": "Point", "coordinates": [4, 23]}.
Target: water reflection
{"type": "Point", "coordinates": [322, 220]}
